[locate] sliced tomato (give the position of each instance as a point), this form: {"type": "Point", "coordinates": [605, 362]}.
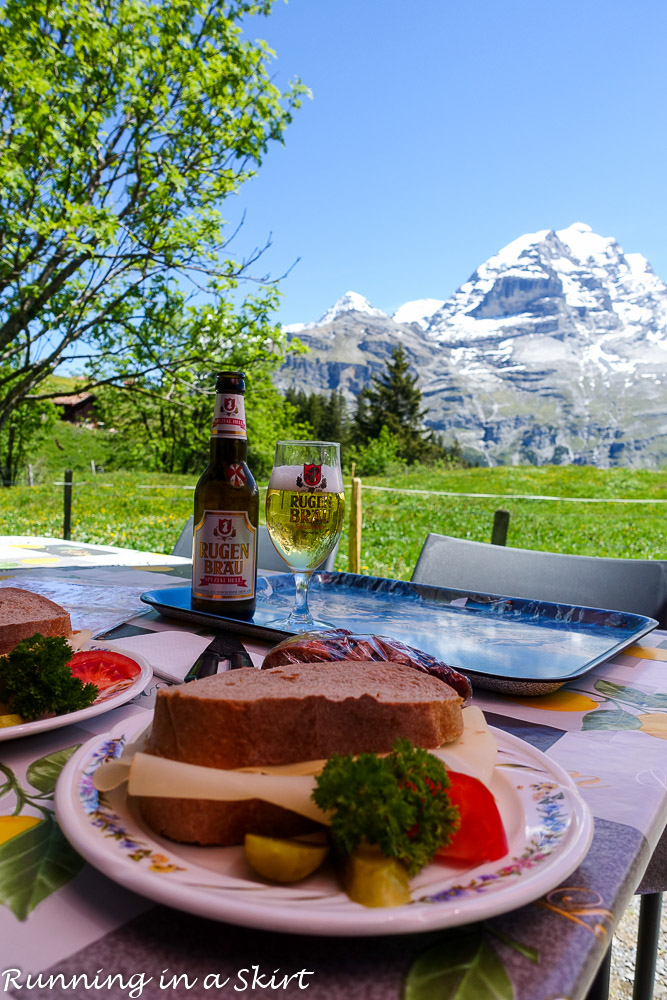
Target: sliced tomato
{"type": "Point", "coordinates": [103, 667]}
{"type": "Point", "coordinates": [481, 835]}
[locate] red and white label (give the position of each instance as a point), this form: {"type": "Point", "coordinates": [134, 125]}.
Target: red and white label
{"type": "Point", "coordinates": [225, 551]}
{"type": "Point", "coordinates": [236, 474]}
{"type": "Point", "coordinates": [229, 416]}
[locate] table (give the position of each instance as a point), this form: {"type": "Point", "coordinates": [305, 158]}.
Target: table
{"type": "Point", "coordinates": [24, 551]}
{"type": "Point", "coordinates": [544, 951]}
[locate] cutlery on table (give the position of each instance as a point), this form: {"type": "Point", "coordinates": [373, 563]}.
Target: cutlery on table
{"type": "Point", "coordinates": [223, 647]}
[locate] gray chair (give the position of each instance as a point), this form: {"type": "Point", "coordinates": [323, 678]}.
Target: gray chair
{"type": "Point", "coordinates": [267, 557]}
{"type": "Point", "coordinates": [635, 585]}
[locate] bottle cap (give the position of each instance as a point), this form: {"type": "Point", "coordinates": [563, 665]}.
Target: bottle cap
{"type": "Point", "coordinates": [236, 378]}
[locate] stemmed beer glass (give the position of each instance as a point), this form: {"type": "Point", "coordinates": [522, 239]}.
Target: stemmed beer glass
{"type": "Point", "coordinates": [305, 503]}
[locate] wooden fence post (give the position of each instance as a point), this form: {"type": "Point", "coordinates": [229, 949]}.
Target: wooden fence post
{"type": "Point", "coordinates": [354, 550]}
{"type": "Point", "coordinates": [501, 520]}
{"type": "Point", "coordinates": [67, 518]}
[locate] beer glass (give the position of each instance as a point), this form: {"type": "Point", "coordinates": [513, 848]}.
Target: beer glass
{"type": "Point", "coordinates": [305, 503]}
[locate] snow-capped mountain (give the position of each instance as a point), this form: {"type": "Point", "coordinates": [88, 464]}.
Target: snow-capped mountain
{"type": "Point", "coordinates": [350, 302]}
{"type": "Point", "coordinates": [418, 311]}
{"type": "Point", "coordinates": [555, 349]}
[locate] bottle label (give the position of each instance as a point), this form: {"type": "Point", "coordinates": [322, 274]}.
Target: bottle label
{"type": "Point", "coordinates": [224, 554]}
{"type": "Point", "coordinates": [229, 416]}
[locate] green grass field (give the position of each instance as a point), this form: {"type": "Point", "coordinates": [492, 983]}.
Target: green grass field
{"type": "Point", "coordinates": [396, 523]}
{"type": "Point", "coordinates": [147, 511]}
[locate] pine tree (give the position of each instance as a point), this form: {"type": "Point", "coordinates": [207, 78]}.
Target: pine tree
{"type": "Point", "coordinates": [333, 426]}
{"type": "Point", "coordinates": [327, 415]}
{"type": "Point", "coordinates": [394, 401]}
{"type": "Point", "coordinates": [314, 413]}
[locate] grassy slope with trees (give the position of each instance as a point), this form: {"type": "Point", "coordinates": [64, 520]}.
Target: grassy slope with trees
{"type": "Point", "coordinates": [137, 500]}
{"type": "Point", "coordinates": [111, 508]}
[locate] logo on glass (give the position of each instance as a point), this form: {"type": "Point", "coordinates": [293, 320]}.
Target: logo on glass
{"type": "Point", "coordinates": [312, 474]}
{"type": "Point", "coordinates": [312, 478]}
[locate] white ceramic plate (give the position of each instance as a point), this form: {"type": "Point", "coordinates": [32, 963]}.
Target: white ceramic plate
{"type": "Point", "coordinates": [106, 700]}
{"type": "Point", "coordinates": [549, 830]}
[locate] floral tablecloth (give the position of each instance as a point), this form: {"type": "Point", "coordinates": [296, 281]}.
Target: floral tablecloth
{"type": "Point", "coordinates": [67, 930]}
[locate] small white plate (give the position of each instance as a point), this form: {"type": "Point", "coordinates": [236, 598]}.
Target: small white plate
{"type": "Point", "coordinates": [106, 700]}
{"type": "Point", "coordinates": [549, 830]}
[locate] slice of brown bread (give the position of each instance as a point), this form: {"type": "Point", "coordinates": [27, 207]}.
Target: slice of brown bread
{"type": "Point", "coordinates": [309, 711]}
{"type": "Point", "coordinates": [304, 711]}
{"type": "Point", "coordinates": [23, 613]}
{"type": "Point", "coordinates": [203, 821]}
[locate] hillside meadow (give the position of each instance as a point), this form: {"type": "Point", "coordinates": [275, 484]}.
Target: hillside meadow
{"type": "Point", "coordinates": [147, 510]}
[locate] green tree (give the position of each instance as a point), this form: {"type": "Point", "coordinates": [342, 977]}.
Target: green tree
{"type": "Point", "coordinates": [326, 415]}
{"type": "Point", "coordinates": [163, 423]}
{"type": "Point", "coordinates": [335, 423]}
{"type": "Point", "coordinates": [170, 431]}
{"type": "Point", "coordinates": [27, 424]}
{"type": "Point", "coordinates": [379, 457]}
{"type": "Point", "coordinates": [392, 404]}
{"type": "Point", "coordinates": [124, 124]}
{"type": "Point", "coordinates": [394, 400]}
{"type": "Point", "coordinates": [270, 419]}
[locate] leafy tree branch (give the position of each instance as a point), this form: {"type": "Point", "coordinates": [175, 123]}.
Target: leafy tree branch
{"type": "Point", "coordinates": [124, 125]}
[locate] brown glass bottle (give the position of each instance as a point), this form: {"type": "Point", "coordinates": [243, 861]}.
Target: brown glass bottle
{"type": "Point", "coordinates": [226, 512]}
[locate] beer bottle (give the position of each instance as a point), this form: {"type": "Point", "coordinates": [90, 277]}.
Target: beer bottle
{"type": "Point", "coordinates": [226, 513]}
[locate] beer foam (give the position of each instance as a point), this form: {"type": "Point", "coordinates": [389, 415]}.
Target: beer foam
{"type": "Point", "coordinates": [284, 477]}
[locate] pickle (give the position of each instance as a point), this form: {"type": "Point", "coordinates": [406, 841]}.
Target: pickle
{"type": "Point", "coordinates": [373, 879]}
{"type": "Point", "coordinates": [283, 860]}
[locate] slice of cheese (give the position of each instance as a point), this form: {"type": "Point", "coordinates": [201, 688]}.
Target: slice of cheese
{"type": "Point", "coordinates": [157, 776]}
{"type": "Point", "coordinates": [475, 752]}
{"type": "Point", "coordinates": [111, 775]}
{"type": "Point", "coordinates": [78, 640]}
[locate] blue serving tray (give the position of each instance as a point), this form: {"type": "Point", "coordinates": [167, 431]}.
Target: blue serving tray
{"type": "Point", "coordinates": [508, 644]}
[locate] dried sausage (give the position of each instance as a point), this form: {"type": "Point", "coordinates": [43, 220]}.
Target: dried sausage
{"type": "Point", "coordinates": [341, 644]}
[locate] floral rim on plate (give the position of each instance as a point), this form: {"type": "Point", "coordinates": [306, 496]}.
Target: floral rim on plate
{"type": "Point", "coordinates": [548, 819]}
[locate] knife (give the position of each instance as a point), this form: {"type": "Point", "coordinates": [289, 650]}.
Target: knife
{"type": "Point", "coordinates": [222, 647]}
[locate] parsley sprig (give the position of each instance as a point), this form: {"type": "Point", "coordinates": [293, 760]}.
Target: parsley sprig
{"type": "Point", "coordinates": [35, 679]}
{"type": "Point", "coordinates": [398, 802]}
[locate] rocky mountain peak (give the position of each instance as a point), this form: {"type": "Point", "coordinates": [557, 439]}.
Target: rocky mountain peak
{"type": "Point", "coordinates": [555, 349]}
{"type": "Point", "coordinates": [350, 302]}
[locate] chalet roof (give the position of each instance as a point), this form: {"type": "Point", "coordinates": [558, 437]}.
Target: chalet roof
{"type": "Point", "coordinates": [71, 399]}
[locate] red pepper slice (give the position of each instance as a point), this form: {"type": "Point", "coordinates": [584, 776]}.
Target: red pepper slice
{"type": "Point", "coordinates": [103, 667]}
{"type": "Point", "coordinates": [481, 835]}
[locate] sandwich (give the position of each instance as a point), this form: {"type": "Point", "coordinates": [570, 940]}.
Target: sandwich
{"type": "Point", "coordinates": [37, 652]}
{"type": "Point", "coordinates": [287, 720]}
{"type": "Point", "coordinates": [24, 614]}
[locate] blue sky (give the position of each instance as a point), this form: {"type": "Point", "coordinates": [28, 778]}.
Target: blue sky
{"type": "Point", "coordinates": [439, 130]}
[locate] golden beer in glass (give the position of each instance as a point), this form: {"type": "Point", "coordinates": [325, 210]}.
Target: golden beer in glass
{"type": "Point", "coordinates": [305, 505]}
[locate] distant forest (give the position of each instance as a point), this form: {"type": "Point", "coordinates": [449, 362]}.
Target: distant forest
{"type": "Point", "coordinates": [386, 427]}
